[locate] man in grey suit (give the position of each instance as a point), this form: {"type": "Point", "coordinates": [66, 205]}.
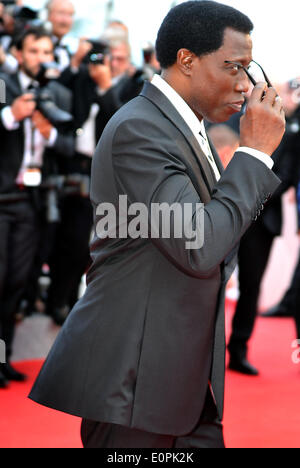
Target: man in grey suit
{"type": "Point", "coordinates": [142, 356]}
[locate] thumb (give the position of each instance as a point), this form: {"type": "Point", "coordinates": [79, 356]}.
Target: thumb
{"type": "Point", "coordinates": [27, 97]}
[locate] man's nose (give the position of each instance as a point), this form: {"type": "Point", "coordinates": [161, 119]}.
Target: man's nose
{"type": "Point", "coordinates": [243, 83]}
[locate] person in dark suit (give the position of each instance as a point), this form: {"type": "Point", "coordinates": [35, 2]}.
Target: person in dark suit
{"type": "Point", "coordinates": [296, 278]}
{"type": "Point", "coordinates": [25, 136]}
{"type": "Point", "coordinates": [107, 85]}
{"type": "Point", "coordinates": [289, 304]}
{"type": "Point", "coordinates": [97, 96]}
{"type": "Point", "coordinates": [141, 358]}
{"type": "Point", "coordinates": [61, 17]}
{"type": "Point", "coordinates": [260, 238]}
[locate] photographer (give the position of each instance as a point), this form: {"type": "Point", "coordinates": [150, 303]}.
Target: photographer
{"type": "Point", "coordinates": [14, 20]}
{"type": "Point", "coordinates": [27, 136]}
{"type": "Point", "coordinates": [8, 63]}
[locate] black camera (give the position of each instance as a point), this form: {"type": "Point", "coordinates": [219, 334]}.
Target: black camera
{"type": "Point", "coordinates": [23, 18]}
{"type": "Point", "coordinates": [43, 96]}
{"type": "Point", "coordinates": [96, 56]}
{"type": "Point", "coordinates": [44, 100]}
{"type": "Point", "coordinates": [8, 2]}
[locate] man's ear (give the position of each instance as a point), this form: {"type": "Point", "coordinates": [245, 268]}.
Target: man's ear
{"type": "Point", "coordinates": [185, 59]}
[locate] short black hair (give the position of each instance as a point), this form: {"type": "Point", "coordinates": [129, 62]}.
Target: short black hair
{"type": "Point", "coordinates": [38, 32]}
{"type": "Point", "coordinates": [198, 26]}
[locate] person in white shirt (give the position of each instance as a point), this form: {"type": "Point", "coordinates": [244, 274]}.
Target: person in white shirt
{"type": "Point", "coordinates": [61, 17]}
{"type": "Point", "coordinates": [26, 134]}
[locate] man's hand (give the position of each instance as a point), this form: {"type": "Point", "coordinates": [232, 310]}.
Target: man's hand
{"type": "Point", "coordinates": [23, 107]}
{"type": "Point", "coordinates": [42, 124]}
{"type": "Point", "coordinates": [263, 125]}
{"type": "Point", "coordinates": [83, 49]}
{"type": "Point", "coordinates": [101, 74]}
{"type": "Point", "coordinates": [2, 55]}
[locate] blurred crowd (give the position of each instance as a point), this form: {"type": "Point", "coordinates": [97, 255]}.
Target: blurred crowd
{"type": "Point", "coordinates": [54, 112]}
{"type": "Point", "coordinates": [56, 107]}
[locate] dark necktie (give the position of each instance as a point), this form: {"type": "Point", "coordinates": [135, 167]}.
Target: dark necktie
{"type": "Point", "coordinates": [209, 156]}
{"type": "Point", "coordinates": [208, 153]}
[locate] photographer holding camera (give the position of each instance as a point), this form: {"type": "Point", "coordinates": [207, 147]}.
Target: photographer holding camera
{"type": "Point", "coordinates": [8, 63]}
{"type": "Point", "coordinates": [27, 138]}
{"type": "Point", "coordinates": [14, 19]}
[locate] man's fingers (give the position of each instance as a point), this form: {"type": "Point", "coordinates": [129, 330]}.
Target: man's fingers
{"type": "Point", "coordinates": [37, 114]}
{"type": "Point", "coordinates": [27, 97]}
{"type": "Point", "coordinates": [278, 104]}
{"type": "Point", "coordinates": [37, 118]}
{"type": "Point", "coordinates": [270, 96]}
{"type": "Point", "coordinates": [258, 92]}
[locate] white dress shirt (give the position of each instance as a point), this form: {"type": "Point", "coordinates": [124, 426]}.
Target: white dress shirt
{"type": "Point", "coordinates": [39, 144]}
{"type": "Point", "coordinates": [86, 136]}
{"type": "Point", "coordinates": [198, 127]}
{"type": "Point", "coordinates": [61, 53]}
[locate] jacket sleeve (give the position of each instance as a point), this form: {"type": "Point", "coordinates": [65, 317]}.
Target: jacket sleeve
{"type": "Point", "coordinates": [65, 141]}
{"type": "Point", "coordinates": [68, 77]}
{"type": "Point", "coordinates": [8, 100]}
{"type": "Point", "coordinates": [149, 169]}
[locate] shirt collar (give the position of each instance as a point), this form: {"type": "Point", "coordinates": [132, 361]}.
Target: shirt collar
{"type": "Point", "coordinates": [58, 42]}
{"type": "Point", "coordinates": [181, 106]}
{"type": "Point", "coordinates": [26, 81]}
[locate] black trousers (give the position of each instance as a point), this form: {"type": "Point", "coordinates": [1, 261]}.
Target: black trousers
{"type": "Point", "coordinates": [44, 250]}
{"type": "Point", "coordinates": [254, 254]}
{"type": "Point", "coordinates": [207, 434]}
{"type": "Point", "coordinates": [19, 234]}
{"type": "Point", "coordinates": [291, 300]}
{"type": "Point", "coordinates": [70, 257]}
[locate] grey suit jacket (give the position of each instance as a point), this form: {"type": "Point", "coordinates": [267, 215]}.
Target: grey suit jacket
{"type": "Point", "coordinates": [140, 347]}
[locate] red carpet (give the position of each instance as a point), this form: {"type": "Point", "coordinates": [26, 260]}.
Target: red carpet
{"type": "Point", "coordinates": [264, 412]}
{"type": "Point", "coordinates": [260, 412]}
{"type": "Point", "coordinates": [24, 424]}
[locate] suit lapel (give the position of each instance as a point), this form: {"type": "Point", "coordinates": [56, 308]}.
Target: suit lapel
{"type": "Point", "coordinates": [199, 160]}
{"type": "Point", "coordinates": [13, 86]}
{"type": "Point", "coordinates": [18, 87]}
